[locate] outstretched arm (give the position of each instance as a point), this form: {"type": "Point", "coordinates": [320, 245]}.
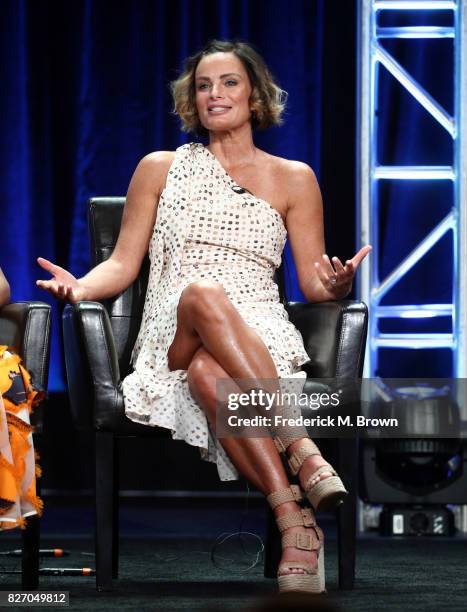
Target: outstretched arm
{"type": "Point", "coordinates": [320, 278]}
{"type": "Point", "coordinates": [4, 290]}
{"type": "Point", "coordinates": [118, 272]}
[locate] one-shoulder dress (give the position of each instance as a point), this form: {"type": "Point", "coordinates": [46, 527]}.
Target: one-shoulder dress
{"type": "Point", "coordinates": [207, 227]}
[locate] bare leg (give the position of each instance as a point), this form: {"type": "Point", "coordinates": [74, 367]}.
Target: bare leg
{"type": "Point", "coordinates": [210, 328]}
{"type": "Point", "coordinates": [206, 317]}
{"type": "Point", "coordinates": [255, 458]}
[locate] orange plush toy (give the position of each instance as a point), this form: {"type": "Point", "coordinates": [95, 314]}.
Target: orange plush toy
{"type": "Point", "coordinates": [18, 469]}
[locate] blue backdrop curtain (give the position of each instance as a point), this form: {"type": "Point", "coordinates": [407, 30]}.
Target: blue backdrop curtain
{"type": "Point", "coordinates": [85, 96]}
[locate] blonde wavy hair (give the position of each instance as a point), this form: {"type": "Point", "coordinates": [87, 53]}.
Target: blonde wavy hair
{"type": "Point", "coordinates": [267, 101]}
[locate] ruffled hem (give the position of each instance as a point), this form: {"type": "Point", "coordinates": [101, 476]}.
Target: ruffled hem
{"type": "Point", "coordinates": [178, 412]}
{"type": "Point", "coordinates": [159, 397]}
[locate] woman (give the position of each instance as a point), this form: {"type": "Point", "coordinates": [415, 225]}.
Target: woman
{"type": "Point", "coordinates": [18, 471]}
{"type": "Point", "coordinates": [212, 309]}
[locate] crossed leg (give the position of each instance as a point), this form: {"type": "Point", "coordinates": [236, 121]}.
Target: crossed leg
{"type": "Point", "coordinates": [212, 341]}
{"type": "Point", "coordinates": [257, 459]}
{"type": "Point", "coordinates": [207, 318]}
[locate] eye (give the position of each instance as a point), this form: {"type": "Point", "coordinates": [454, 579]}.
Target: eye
{"type": "Point", "coordinates": [202, 86]}
{"type": "Point", "coordinates": [231, 82]}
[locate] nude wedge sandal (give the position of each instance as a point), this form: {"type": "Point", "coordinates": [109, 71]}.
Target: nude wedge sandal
{"type": "Point", "coordinates": [312, 580]}
{"type": "Point", "coordinates": [323, 494]}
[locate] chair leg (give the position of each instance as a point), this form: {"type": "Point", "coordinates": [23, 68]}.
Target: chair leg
{"type": "Point", "coordinates": [347, 512]}
{"type": "Point", "coordinates": [115, 508]}
{"type": "Point", "coordinates": [104, 527]}
{"type": "Point", "coordinates": [30, 541]}
{"type": "Point", "coordinates": [30, 554]}
{"type": "Point", "coordinates": [273, 547]}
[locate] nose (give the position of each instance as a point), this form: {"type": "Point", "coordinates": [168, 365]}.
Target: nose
{"type": "Point", "coordinates": [216, 90]}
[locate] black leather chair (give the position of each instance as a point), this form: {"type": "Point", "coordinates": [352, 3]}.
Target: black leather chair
{"type": "Point", "coordinates": [26, 327]}
{"type": "Point", "coordinates": [98, 342]}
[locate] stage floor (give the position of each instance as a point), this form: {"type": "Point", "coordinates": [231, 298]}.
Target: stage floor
{"type": "Point", "coordinates": [169, 561]}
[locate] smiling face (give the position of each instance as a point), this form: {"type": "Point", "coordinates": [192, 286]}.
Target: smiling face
{"type": "Point", "coordinates": [223, 92]}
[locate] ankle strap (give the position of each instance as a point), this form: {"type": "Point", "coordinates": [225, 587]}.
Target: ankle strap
{"type": "Point", "coordinates": [311, 540]}
{"type": "Point", "coordinates": [307, 449]}
{"type": "Point", "coordinates": [282, 496]}
{"type": "Point", "coordinates": [285, 439]}
{"type": "Point", "coordinates": [296, 519]}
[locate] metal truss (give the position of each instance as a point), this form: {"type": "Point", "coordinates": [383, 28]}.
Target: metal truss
{"type": "Point", "coordinates": [373, 58]}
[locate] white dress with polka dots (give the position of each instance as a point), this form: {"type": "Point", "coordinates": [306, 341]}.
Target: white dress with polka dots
{"type": "Point", "coordinates": [206, 230]}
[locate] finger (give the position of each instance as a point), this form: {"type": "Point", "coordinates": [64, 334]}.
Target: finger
{"type": "Point", "coordinates": [70, 294]}
{"type": "Point", "coordinates": [49, 286]}
{"type": "Point", "coordinates": [64, 295]}
{"type": "Point", "coordinates": [330, 271]}
{"type": "Point", "coordinates": [328, 267]}
{"type": "Point", "coordinates": [349, 267]}
{"type": "Point", "coordinates": [61, 291]}
{"type": "Point", "coordinates": [47, 265]}
{"type": "Point", "coordinates": [344, 273]}
{"type": "Point", "coordinates": [362, 253]}
{"type": "Point", "coordinates": [46, 284]}
{"type": "Point", "coordinates": [339, 268]}
{"type": "Point", "coordinates": [325, 277]}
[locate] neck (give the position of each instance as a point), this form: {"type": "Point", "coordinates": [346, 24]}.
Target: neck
{"type": "Point", "coordinates": [235, 148]}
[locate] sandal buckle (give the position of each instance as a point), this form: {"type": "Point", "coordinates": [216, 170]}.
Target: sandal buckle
{"type": "Point", "coordinates": [279, 445]}
{"type": "Point", "coordinates": [295, 464]}
{"type": "Point", "coordinates": [304, 541]}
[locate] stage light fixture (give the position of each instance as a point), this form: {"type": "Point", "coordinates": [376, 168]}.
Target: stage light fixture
{"type": "Point", "coordinates": [418, 473]}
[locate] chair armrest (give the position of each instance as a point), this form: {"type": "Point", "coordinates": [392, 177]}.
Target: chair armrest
{"type": "Point", "coordinates": [334, 335]}
{"type": "Point", "coordinates": [25, 326]}
{"type": "Point", "coordinates": [91, 361]}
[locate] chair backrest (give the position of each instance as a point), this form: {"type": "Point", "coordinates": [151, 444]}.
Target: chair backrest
{"type": "Point", "coordinates": [26, 327]}
{"type": "Point", "coordinates": [125, 310]}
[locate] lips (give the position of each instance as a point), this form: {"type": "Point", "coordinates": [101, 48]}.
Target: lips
{"type": "Point", "coordinates": [218, 109]}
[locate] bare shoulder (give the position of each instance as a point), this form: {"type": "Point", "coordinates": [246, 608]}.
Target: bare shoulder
{"type": "Point", "coordinates": [298, 174]}
{"type": "Point", "coordinates": [153, 169]}
{"type": "Point", "coordinates": [297, 179]}
{"type": "Point", "coordinates": [290, 170]}
{"type": "Point", "coordinates": [159, 158]}
{"type": "Point", "coordinates": [157, 162]}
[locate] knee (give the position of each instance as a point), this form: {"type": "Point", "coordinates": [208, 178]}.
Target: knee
{"type": "Point", "coordinates": [206, 299]}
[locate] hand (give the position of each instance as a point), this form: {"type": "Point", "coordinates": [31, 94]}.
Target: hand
{"type": "Point", "coordinates": [337, 279]}
{"type": "Point", "coordinates": [63, 285]}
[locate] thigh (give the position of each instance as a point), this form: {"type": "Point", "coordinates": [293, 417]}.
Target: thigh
{"type": "Point", "coordinates": [186, 340]}
{"type": "Point", "coordinates": [200, 303]}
